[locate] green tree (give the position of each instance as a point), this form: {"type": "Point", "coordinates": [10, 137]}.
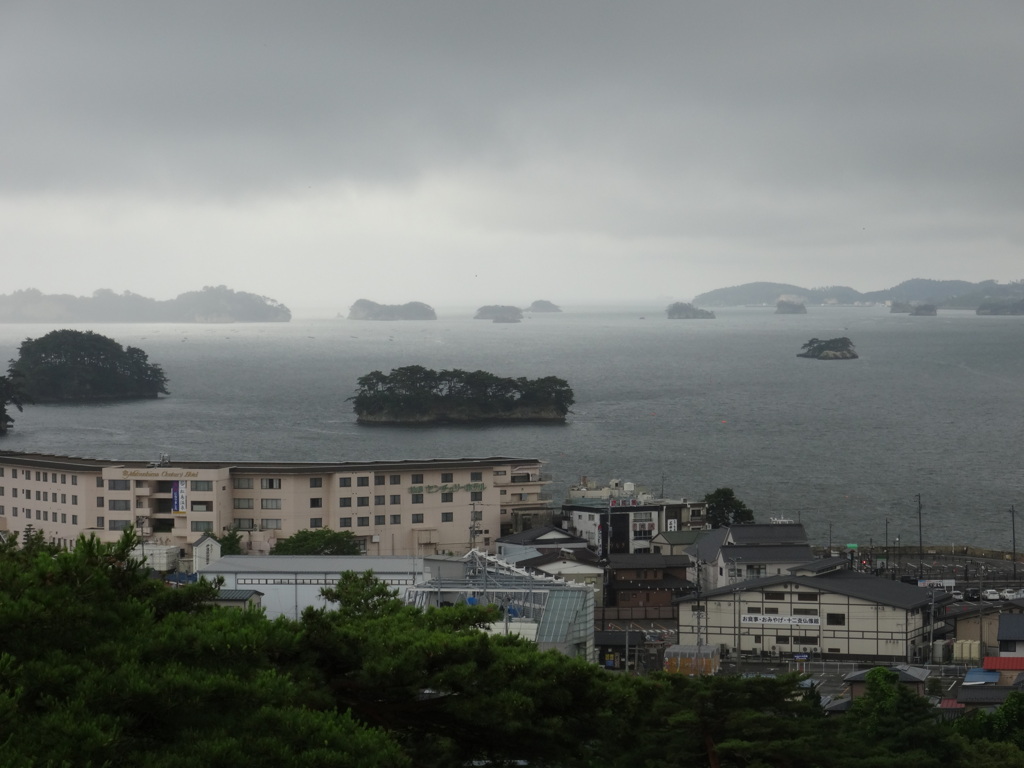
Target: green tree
{"type": "Point", "coordinates": [230, 542]}
{"type": "Point", "coordinates": [12, 392]}
{"type": "Point", "coordinates": [322, 541]}
{"type": "Point", "coordinates": [724, 509]}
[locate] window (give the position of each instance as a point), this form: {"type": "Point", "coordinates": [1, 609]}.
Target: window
{"type": "Point", "coordinates": [270, 503]}
{"type": "Point", "coordinates": [805, 611]}
{"type": "Point", "coordinates": [271, 523]}
{"type": "Point", "coordinates": [835, 619]}
{"type": "Point", "coordinates": [99, 480]}
{"type": "Point", "coordinates": [396, 499]}
{"type": "Point", "coordinates": [63, 477]}
{"type": "Point", "coordinates": [242, 483]}
{"type": "Point", "coordinates": [476, 477]}
{"type": "Point", "coordinates": [771, 611]}
{"type": "Point", "coordinates": [74, 500]}
{"type": "Point", "coordinates": [379, 500]}
{"type": "Point", "coordinates": [476, 495]}
{"type": "Point", "coordinates": [753, 609]}
{"type": "Point", "coordinates": [417, 517]}
{"type": "Point", "coordinates": [476, 514]}
{"type": "Point", "coordinates": [199, 506]}
{"type": "Point", "coordinates": [74, 479]}
{"type": "Point", "coordinates": [447, 477]}
{"type": "Point", "coordinates": [119, 505]}
{"type": "Point", "coordinates": [345, 502]}
{"type": "Point", "coordinates": [396, 519]}
{"type": "Point", "coordinates": [394, 479]}
{"type": "Point", "coordinates": [63, 517]}
{"type": "Point", "coordinates": [63, 498]}
{"type": "Point", "coordinates": [447, 498]}
{"type": "Point", "coordinates": [417, 498]}
{"type": "Point", "coordinates": [363, 522]}
{"type": "Point", "coordinates": [202, 526]}
{"type": "Point", "coordinates": [345, 522]}
{"type": "Point", "coordinates": [316, 503]}
{"type": "Point", "coordinates": [447, 517]}
{"type": "Point", "coordinates": [101, 522]}
{"type": "Point", "coordinates": [270, 483]}
{"type": "Point", "coordinates": [316, 522]}
{"type": "Point", "coordinates": [782, 640]}
{"type": "Point", "coordinates": [417, 479]}
{"type": "Point", "coordinates": [74, 519]}
{"type": "Point", "coordinates": [362, 501]}
{"type": "Point", "coordinates": [243, 503]}
{"type": "Point", "coordinates": [344, 482]}
{"type": "Point", "coordinates": [119, 525]}
{"type": "Point", "coordinates": [499, 473]}
{"type": "Point", "coordinates": [242, 523]}
{"type": "Point", "coordinates": [14, 492]}
{"type": "Point", "coordinates": [39, 495]}
{"type": "Point", "coordinates": [805, 639]}
{"type": "Point", "coordinates": [378, 519]}
{"type": "Point", "coordinates": [100, 501]}
{"type": "Point", "coordinates": [807, 597]}
{"type": "Point", "coordinates": [378, 479]}
{"type": "Point", "coordinates": [363, 481]}
{"type": "Point", "coordinates": [119, 485]}
{"type": "Point", "coordinates": [202, 485]}
{"type": "Point", "coordinates": [1007, 646]}
{"type": "Point", "coordinates": [316, 482]}
{"type": "Point", "coordinates": [774, 595]}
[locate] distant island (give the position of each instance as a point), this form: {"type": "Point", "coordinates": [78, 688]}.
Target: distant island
{"type": "Point", "coordinates": [210, 305]}
{"type": "Point", "coordinates": [543, 306]}
{"type": "Point", "coordinates": [82, 366]}
{"type": "Point", "coordinates": [683, 311]}
{"type": "Point", "coordinates": [924, 310]}
{"type": "Point", "coordinates": [364, 309]}
{"type": "Point", "coordinates": [786, 307]}
{"type": "Point", "coordinates": [1007, 307]}
{"type": "Point", "coordinates": [418, 395]}
{"type": "Point", "coordinates": [829, 349]}
{"type": "Point", "coordinates": [499, 313]}
{"type": "Point", "coordinates": [944, 294]}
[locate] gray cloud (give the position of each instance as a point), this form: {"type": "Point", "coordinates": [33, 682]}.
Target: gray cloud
{"type": "Point", "coordinates": [810, 135]}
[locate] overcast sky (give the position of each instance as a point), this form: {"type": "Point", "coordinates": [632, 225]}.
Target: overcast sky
{"type": "Point", "coordinates": [468, 153]}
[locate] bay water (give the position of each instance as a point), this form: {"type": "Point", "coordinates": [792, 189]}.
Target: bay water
{"type": "Point", "coordinates": [934, 407]}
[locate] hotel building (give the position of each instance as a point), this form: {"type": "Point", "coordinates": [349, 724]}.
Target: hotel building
{"type": "Point", "coordinates": [405, 508]}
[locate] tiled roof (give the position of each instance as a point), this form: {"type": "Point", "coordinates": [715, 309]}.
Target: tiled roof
{"type": "Point", "coordinates": [768, 553]}
{"type": "Point", "coordinates": [768, 533]}
{"type": "Point", "coordinates": [545, 536]}
{"type": "Point", "coordinates": [649, 560]}
{"type": "Point", "coordinates": [1011, 627]}
{"type": "Point", "coordinates": [984, 694]}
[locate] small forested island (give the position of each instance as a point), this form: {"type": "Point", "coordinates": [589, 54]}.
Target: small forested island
{"type": "Point", "coordinates": [924, 310]}
{"type": "Point", "coordinates": [829, 349]}
{"type": "Point", "coordinates": [684, 311]}
{"type": "Point", "coordinates": [541, 305]}
{"type": "Point", "coordinates": [787, 307]}
{"type": "Point", "coordinates": [364, 309]}
{"type": "Point", "coordinates": [499, 313]}
{"type": "Point", "coordinates": [210, 305]}
{"type": "Point", "coordinates": [83, 366]}
{"type": "Point", "coordinates": [417, 395]}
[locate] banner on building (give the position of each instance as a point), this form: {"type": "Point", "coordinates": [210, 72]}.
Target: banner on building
{"type": "Point", "coordinates": [179, 495]}
{"type": "Point", "coordinates": [761, 618]}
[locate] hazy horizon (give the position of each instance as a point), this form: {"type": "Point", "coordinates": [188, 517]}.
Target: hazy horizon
{"type": "Point", "coordinates": [320, 153]}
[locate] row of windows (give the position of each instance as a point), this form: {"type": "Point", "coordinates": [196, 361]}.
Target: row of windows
{"type": "Point", "coordinates": [41, 477]}
{"type": "Point", "coordinates": [40, 495]}
{"type": "Point", "coordinates": [362, 481]}
{"type": "Point", "coordinates": [249, 524]}
{"type": "Point", "coordinates": [41, 514]}
{"type": "Point", "coordinates": [380, 500]}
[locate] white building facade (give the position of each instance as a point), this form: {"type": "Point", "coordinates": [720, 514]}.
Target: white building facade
{"type": "Point", "coordinates": [401, 508]}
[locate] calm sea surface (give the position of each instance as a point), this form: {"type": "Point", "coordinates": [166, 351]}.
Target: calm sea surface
{"type": "Point", "coordinates": [934, 406]}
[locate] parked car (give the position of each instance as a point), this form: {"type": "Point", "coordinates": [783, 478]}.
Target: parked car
{"type": "Point", "coordinates": [1008, 594]}
{"type": "Point", "coordinates": [990, 594]}
{"type": "Point", "coordinates": [956, 594]}
{"type": "Point", "coordinates": [972, 593]}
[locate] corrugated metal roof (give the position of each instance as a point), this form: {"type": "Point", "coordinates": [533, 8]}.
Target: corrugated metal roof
{"type": "Point", "coordinates": [1011, 627]}
{"type": "Point", "coordinates": [1003, 662]}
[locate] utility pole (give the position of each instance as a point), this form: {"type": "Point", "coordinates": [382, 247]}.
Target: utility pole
{"type": "Point", "coordinates": [920, 542]}
{"type": "Point", "coordinates": [1013, 528]}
